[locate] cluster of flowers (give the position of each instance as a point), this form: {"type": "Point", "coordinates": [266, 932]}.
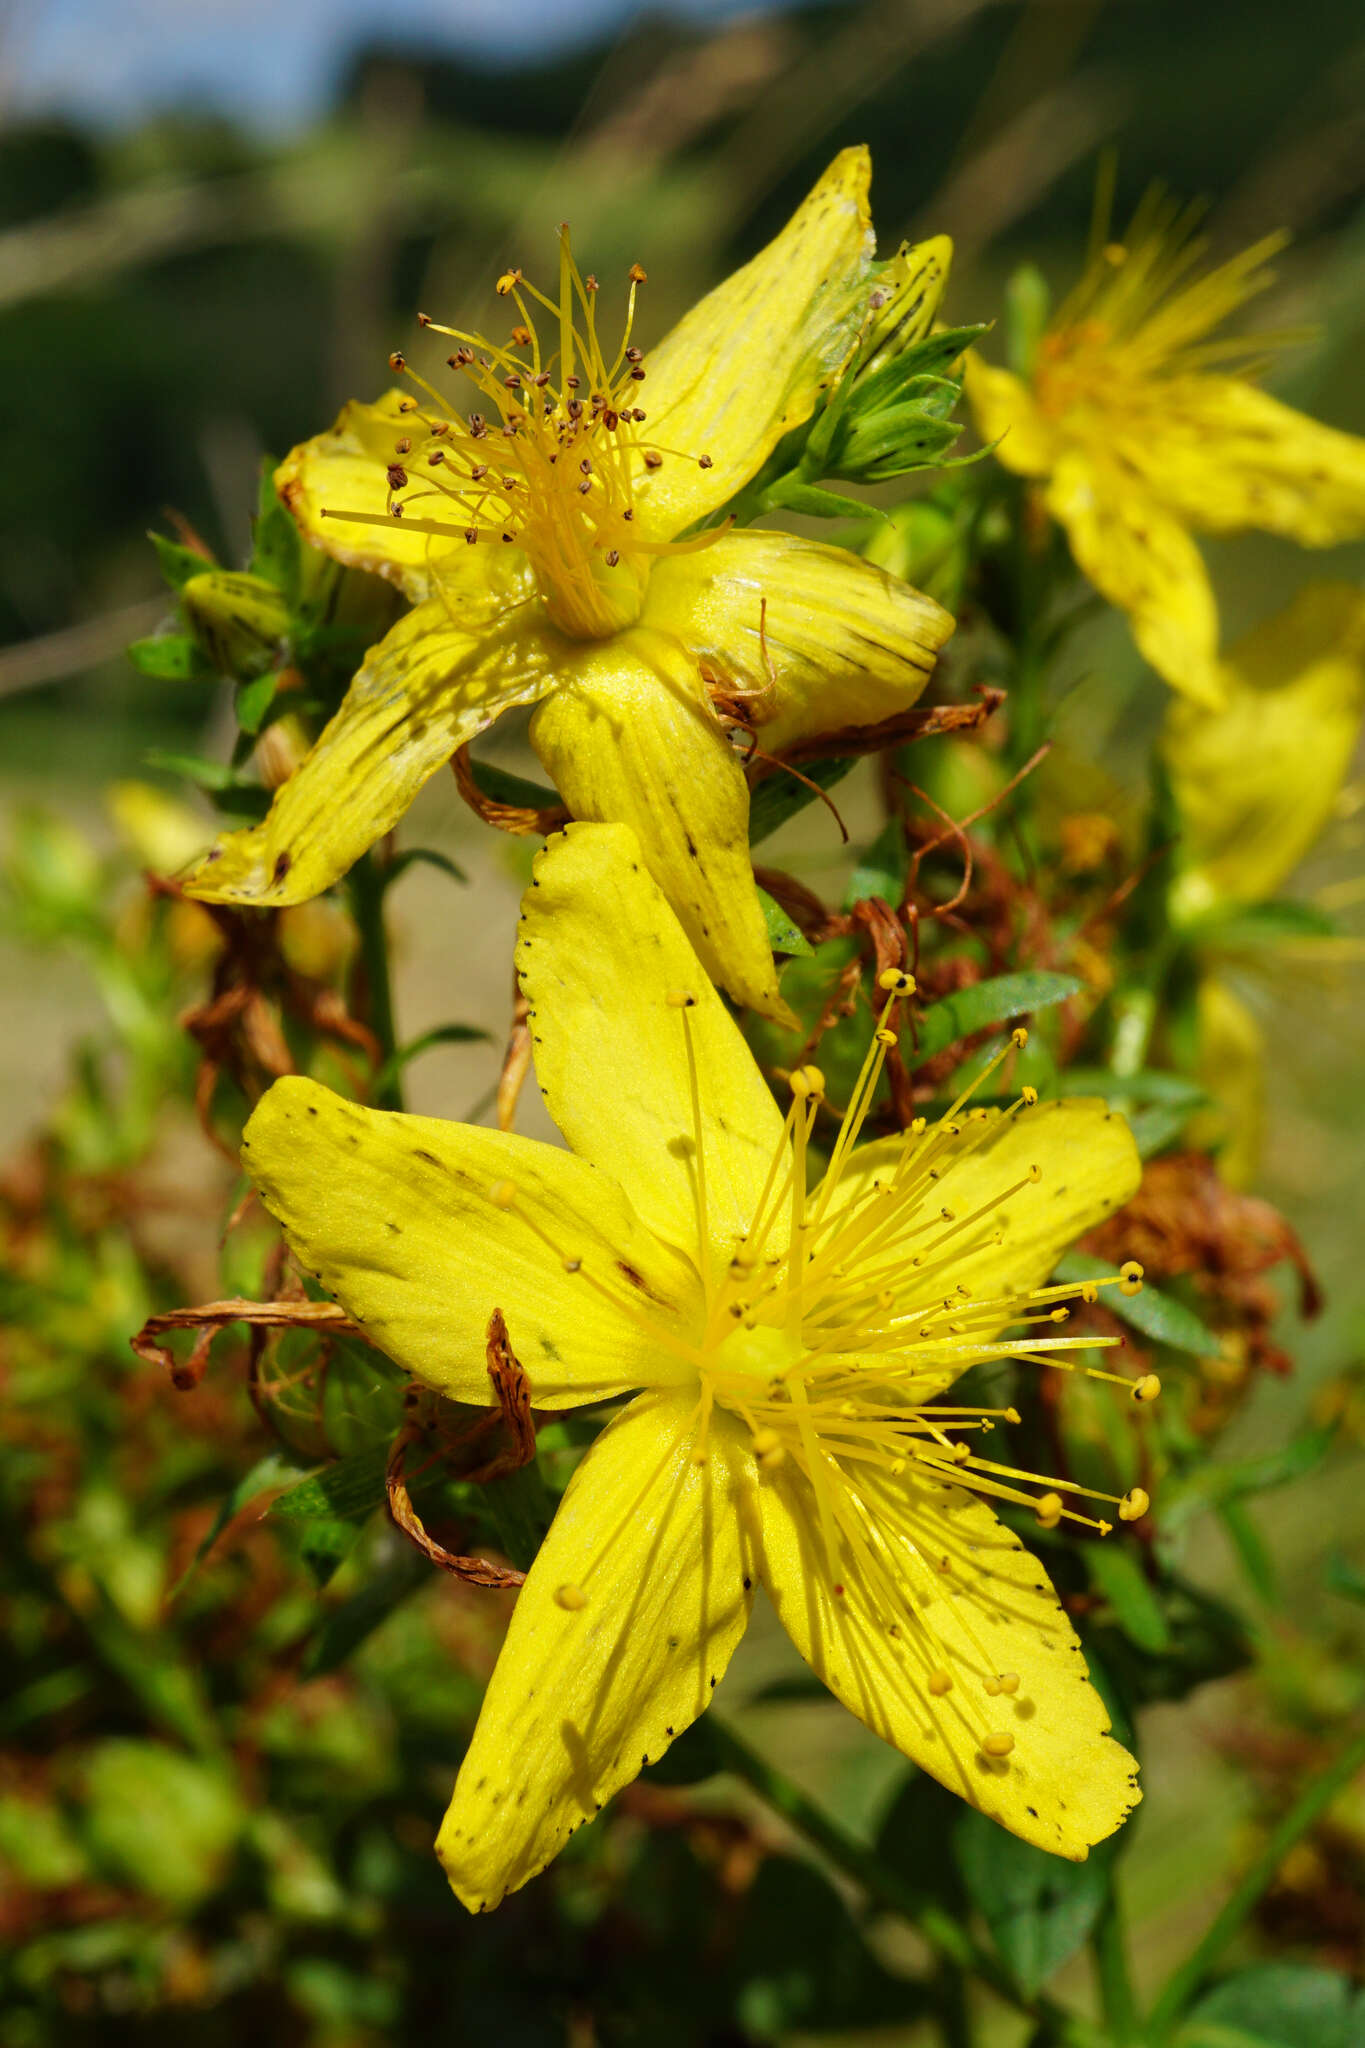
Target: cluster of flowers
{"type": "Point", "coordinates": [575, 543]}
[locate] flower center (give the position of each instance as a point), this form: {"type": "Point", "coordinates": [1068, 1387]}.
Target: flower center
{"type": "Point", "coordinates": [549, 458]}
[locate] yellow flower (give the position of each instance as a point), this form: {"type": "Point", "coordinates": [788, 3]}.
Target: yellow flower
{"type": "Point", "coordinates": [1146, 430]}
{"type": "Point", "coordinates": [538, 538]}
{"type": "Point", "coordinates": [1254, 784]}
{"type": "Point", "coordinates": [782, 1349]}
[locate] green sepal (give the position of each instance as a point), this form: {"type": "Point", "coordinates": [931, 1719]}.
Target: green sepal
{"type": "Point", "coordinates": [783, 935]}
{"type": "Point", "coordinates": [178, 563]}
{"type": "Point", "coordinates": [169, 657]}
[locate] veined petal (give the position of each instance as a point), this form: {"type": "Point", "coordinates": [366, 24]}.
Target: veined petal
{"type": "Point", "coordinates": [628, 1618]}
{"type": "Point", "coordinates": [930, 1581]}
{"type": "Point", "coordinates": [750, 360]}
{"type": "Point", "coordinates": [1230, 456]}
{"type": "Point", "coordinates": [998, 1249]}
{"type": "Point", "coordinates": [630, 738]}
{"type": "Point", "coordinates": [815, 638]}
{"type": "Point", "coordinates": [1256, 781]}
{"type": "Point", "coordinates": [600, 953]}
{"type": "Point", "coordinates": [1143, 560]}
{"type": "Point", "coordinates": [345, 470]}
{"type": "Point", "coordinates": [1007, 413]}
{"type": "Point", "coordinates": [430, 685]}
{"type": "Point", "coordinates": [394, 1215]}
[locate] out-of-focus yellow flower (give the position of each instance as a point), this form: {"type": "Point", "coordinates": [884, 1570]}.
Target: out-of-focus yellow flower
{"type": "Point", "coordinates": [547, 542]}
{"type": "Point", "coordinates": [787, 1352]}
{"type": "Point", "coordinates": [1254, 784]}
{"type": "Point", "coordinates": [1145, 429]}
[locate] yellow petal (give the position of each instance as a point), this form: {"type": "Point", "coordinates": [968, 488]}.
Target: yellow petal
{"type": "Point", "coordinates": [1232, 1068]}
{"type": "Point", "coordinates": [394, 1215]}
{"type": "Point", "coordinates": [1088, 1166]}
{"type": "Point", "coordinates": [1229, 456]}
{"type": "Point", "coordinates": [894, 1615]}
{"type": "Point", "coordinates": [1256, 782]}
{"type": "Point", "coordinates": [630, 738]}
{"type": "Point", "coordinates": [600, 953]}
{"type": "Point", "coordinates": [345, 470]}
{"type": "Point", "coordinates": [628, 1618]}
{"type": "Point", "coordinates": [750, 360]}
{"type": "Point", "coordinates": [429, 686]}
{"type": "Point", "coordinates": [1006, 412]}
{"type": "Point", "coordinates": [846, 644]}
{"type": "Point", "coordinates": [1143, 560]}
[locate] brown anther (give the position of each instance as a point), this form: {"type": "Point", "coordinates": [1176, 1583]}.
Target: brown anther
{"type": "Point", "coordinates": [541, 380]}
{"type": "Point", "coordinates": [703, 461]}
{"type": "Point", "coordinates": [653, 460]}
{"type": "Point", "coordinates": [436, 458]}
{"type": "Point", "coordinates": [512, 381]}
{"type": "Point", "coordinates": [637, 375]}
{"type": "Point", "coordinates": [397, 476]}
{"type": "Point", "coordinates": [613, 557]}
{"type": "Point", "coordinates": [636, 275]}
{"type": "Point", "coordinates": [471, 534]}
{"type": "Point", "coordinates": [521, 337]}
{"type": "Point", "coordinates": [397, 361]}
{"type": "Point", "coordinates": [404, 446]}
{"type": "Point", "coordinates": [573, 383]}
{"type": "Point", "coordinates": [611, 420]}
{"type": "Point", "coordinates": [635, 355]}
{"type": "Point", "coordinates": [585, 486]}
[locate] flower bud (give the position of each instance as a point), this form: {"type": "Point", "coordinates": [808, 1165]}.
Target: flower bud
{"type": "Point", "coordinates": [238, 620]}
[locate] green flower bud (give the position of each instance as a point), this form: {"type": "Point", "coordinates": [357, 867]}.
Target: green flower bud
{"type": "Point", "coordinates": [237, 620]}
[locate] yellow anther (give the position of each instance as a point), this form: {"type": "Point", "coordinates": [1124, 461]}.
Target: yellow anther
{"type": "Point", "coordinates": [1035, 1174]}
{"type": "Point", "coordinates": [884, 1036]}
{"type": "Point", "coordinates": [570, 1598]}
{"type": "Point", "coordinates": [961, 1453]}
{"type": "Point", "coordinates": [502, 1194]}
{"type": "Point", "coordinates": [1019, 1036]}
{"type": "Point", "coordinates": [1059, 1315]}
{"type": "Point", "coordinates": [1028, 1096]}
{"type": "Point", "coordinates": [998, 1743]}
{"type": "Point", "coordinates": [1134, 1504]}
{"type": "Point", "coordinates": [1130, 1277]}
{"type": "Point", "coordinates": [918, 1126]}
{"type": "Point", "coordinates": [1147, 1388]}
{"type": "Point", "coordinates": [991, 1688]}
{"type": "Point", "coordinates": [897, 1467]}
{"type": "Point", "coordinates": [815, 1080]}
{"type": "Point", "coordinates": [1048, 1509]}
{"type": "Point", "coordinates": [896, 982]}
{"type": "Point", "coordinates": [680, 999]}
{"type": "Point", "coordinates": [940, 1681]}
{"type": "Point", "coordinates": [1089, 1291]}
{"type": "Point", "coordinates": [768, 1447]}
{"type": "Point", "coordinates": [1013, 1415]}
{"type": "Point", "coordinates": [507, 283]}
{"type": "Point", "coordinates": [799, 1085]}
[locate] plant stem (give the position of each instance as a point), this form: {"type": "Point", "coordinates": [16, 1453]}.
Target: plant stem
{"type": "Point", "coordinates": [365, 884]}
{"type": "Point", "coordinates": [1185, 1981]}
{"type": "Point", "coordinates": [1109, 1949]}
{"type": "Point", "coordinates": [951, 1941]}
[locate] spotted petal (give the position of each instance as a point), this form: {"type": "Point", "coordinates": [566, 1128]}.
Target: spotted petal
{"type": "Point", "coordinates": [927, 1580]}
{"type": "Point", "coordinates": [628, 1618]}
{"type": "Point", "coordinates": [600, 953]}
{"type": "Point", "coordinates": [808, 636]}
{"type": "Point", "coordinates": [630, 738]}
{"type": "Point", "coordinates": [393, 1214]}
{"type": "Point", "coordinates": [749, 361]}
{"type": "Point", "coordinates": [434, 681]}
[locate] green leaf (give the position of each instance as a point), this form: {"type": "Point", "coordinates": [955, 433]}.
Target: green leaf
{"type": "Point", "coordinates": [1345, 1578]}
{"type": "Point", "coordinates": [176, 562]}
{"type": "Point", "coordinates": [346, 1491]}
{"type": "Point", "coordinates": [421, 856]}
{"type": "Point", "coordinates": [348, 1625]}
{"type": "Point", "coordinates": [1211, 1483]}
{"type": "Point", "coordinates": [881, 871]}
{"type": "Point", "coordinates": [502, 788]}
{"type": "Point", "coordinates": [1155, 1128]}
{"type": "Point", "coordinates": [161, 1822]}
{"type": "Point", "coordinates": [275, 1470]}
{"type": "Point", "coordinates": [1277, 2005]}
{"type": "Point", "coordinates": [1116, 1573]}
{"type": "Point", "coordinates": [791, 495]}
{"type": "Point", "coordinates": [783, 935]}
{"type": "Point", "coordinates": [1158, 1316]}
{"type": "Point", "coordinates": [990, 1002]}
{"type": "Point", "coordinates": [1253, 927]}
{"type": "Point", "coordinates": [442, 1034]}
{"type": "Point", "coordinates": [276, 542]}
{"type": "Point", "coordinates": [254, 700]}
{"type": "Point", "coordinates": [1253, 1552]}
{"type": "Point", "coordinates": [781, 795]}
{"type": "Point", "coordinates": [1148, 1086]}
{"type": "Point", "coordinates": [207, 775]}
{"type": "Point", "coordinates": [170, 657]}
{"type": "Point", "coordinates": [1039, 1908]}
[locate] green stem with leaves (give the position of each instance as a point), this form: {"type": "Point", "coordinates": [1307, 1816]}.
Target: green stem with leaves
{"type": "Point", "coordinates": [366, 885]}
{"type": "Point", "coordinates": [1182, 1985]}
{"type": "Point", "coordinates": [953, 1943]}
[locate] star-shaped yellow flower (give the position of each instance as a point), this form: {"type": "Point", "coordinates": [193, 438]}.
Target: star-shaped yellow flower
{"type": "Point", "coordinates": [1147, 431]}
{"type": "Point", "coordinates": [542, 540]}
{"type": "Point", "coordinates": [1255, 783]}
{"type": "Point", "coordinates": [786, 1353]}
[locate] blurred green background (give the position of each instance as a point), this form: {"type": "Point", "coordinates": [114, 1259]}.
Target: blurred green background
{"type": "Point", "coordinates": [188, 283]}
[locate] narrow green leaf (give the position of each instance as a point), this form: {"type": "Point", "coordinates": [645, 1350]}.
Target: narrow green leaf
{"type": "Point", "coordinates": [443, 1034]}
{"type": "Point", "coordinates": [503, 788]}
{"type": "Point", "coordinates": [1117, 1575]}
{"type": "Point", "coordinates": [421, 856]}
{"type": "Point", "coordinates": [1155, 1128]}
{"type": "Point", "coordinates": [783, 935]}
{"type": "Point", "coordinates": [170, 657]}
{"type": "Point", "coordinates": [990, 1002]}
{"type": "Point", "coordinates": [346, 1491]}
{"type": "Point", "coordinates": [813, 502]}
{"type": "Point", "coordinates": [254, 700]}
{"type": "Point", "coordinates": [208, 775]}
{"type": "Point", "coordinates": [1039, 1908]}
{"type": "Point", "coordinates": [276, 542]}
{"type": "Point", "coordinates": [348, 1625]}
{"type": "Point", "coordinates": [1255, 926]}
{"type": "Point", "coordinates": [781, 795]}
{"type": "Point", "coordinates": [178, 563]}
{"type": "Point", "coordinates": [1253, 1552]}
{"type": "Point", "coordinates": [1148, 1086]}
{"type": "Point", "coordinates": [275, 1470]}
{"type": "Point", "coordinates": [1159, 1316]}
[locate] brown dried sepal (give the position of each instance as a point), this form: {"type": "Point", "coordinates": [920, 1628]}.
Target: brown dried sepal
{"type": "Point", "coordinates": [516, 1060]}
{"type": "Point", "coordinates": [212, 1316]}
{"type": "Point", "coordinates": [524, 820]}
{"type": "Point", "coordinates": [921, 722]}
